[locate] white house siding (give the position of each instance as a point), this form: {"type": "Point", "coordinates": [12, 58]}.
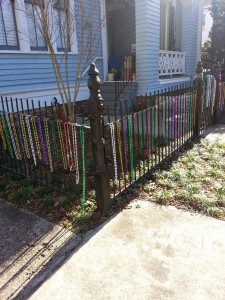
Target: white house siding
{"type": "Point", "coordinates": [30, 75]}
{"type": "Point", "coordinates": [148, 44]}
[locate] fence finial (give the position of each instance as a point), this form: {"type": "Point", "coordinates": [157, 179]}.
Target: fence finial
{"type": "Point", "coordinates": [95, 103]}
{"type": "Point", "coordinates": [95, 110]}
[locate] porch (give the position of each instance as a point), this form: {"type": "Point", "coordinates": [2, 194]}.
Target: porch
{"type": "Point", "coordinates": [123, 32]}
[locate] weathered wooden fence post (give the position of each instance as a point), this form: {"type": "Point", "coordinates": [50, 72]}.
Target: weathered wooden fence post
{"type": "Point", "coordinates": [218, 93]}
{"type": "Point", "coordinates": [199, 86]}
{"type": "Point", "coordinates": [95, 110]}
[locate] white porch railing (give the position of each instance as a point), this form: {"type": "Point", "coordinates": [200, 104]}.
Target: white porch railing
{"type": "Point", "coordinates": [171, 63]}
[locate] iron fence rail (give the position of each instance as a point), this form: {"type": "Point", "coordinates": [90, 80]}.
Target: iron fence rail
{"type": "Point", "coordinates": [37, 141]}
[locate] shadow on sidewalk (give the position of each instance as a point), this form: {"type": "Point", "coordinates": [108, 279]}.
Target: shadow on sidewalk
{"type": "Point", "coordinates": [31, 248]}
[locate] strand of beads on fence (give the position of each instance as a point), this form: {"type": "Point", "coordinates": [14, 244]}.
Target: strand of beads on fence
{"type": "Point", "coordinates": [33, 141]}
{"type": "Point", "coordinates": [151, 135]}
{"type": "Point", "coordinates": [152, 129]}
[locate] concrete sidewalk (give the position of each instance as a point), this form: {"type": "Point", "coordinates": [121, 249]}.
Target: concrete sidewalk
{"type": "Point", "coordinates": [149, 252]}
{"type": "Point", "coordinates": [31, 249]}
{"type": "Point", "coordinates": [215, 133]}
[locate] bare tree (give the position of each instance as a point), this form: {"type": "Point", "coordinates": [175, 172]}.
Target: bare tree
{"type": "Point", "coordinates": [66, 24]}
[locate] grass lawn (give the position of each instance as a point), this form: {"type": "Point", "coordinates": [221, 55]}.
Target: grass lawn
{"type": "Point", "coordinates": [195, 182]}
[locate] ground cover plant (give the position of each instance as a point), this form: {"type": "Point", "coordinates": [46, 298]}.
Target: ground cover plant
{"type": "Point", "coordinates": [195, 182]}
{"type": "Point", "coordinates": [54, 205]}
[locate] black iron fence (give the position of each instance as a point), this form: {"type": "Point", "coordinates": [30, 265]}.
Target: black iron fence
{"type": "Point", "coordinates": [139, 141]}
{"type": "Point", "coordinates": [102, 152]}
{"type": "Point", "coordinates": [38, 141]}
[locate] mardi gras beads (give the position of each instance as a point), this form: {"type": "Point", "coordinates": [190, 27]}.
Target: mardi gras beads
{"type": "Point", "coordinates": [44, 153]}
{"type": "Point", "coordinates": [153, 127]}
{"type": "Point", "coordinates": [112, 132]}
{"type": "Point", "coordinates": [125, 145]}
{"type": "Point", "coordinates": [120, 145]}
{"type": "Point", "coordinates": [24, 134]}
{"type": "Point", "coordinates": [15, 136]}
{"type": "Point", "coordinates": [135, 130]}
{"type": "Point", "coordinates": [5, 128]}
{"type": "Point", "coordinates": [69, 154]}
{"type": "Point", "coordinates": [11, 135]}
{"type": "Point", "coordinates": [83, 166]}
{"type": "Point", "coordinates": [147, 131]}
{"type": "Point", "coordinates": [131, 147]}
{"type": "Point", "coordinates": [62, 146]}
{"type": "Point", "coordinates": [48, 144]}
{"type": "Point", "coordinates": [2, 137]}
{"type": "Point", "coordinates": [140, 128]}
{"type": "Point", "coordinates": [54, 138]}
{"type": "Point", "coordinates": [167, 120]}
{"type": "Point", "coordinates": [75, 151]}
{"type": "Point", "coordinates": [36, 139]}
{"type": "Point", "coordinates": [31, 139]}
{"type": "Point", "coordinates": [21, 141]}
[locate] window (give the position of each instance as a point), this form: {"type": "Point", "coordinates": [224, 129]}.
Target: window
{"type": "Point", "coordinates": [62, 28]}
{"type": "Point", "coordinates": [170, 25]}
{"type": "Point", "coordinates": [36, 38]}
{"type": "Point", "coordinates": [8, 30]}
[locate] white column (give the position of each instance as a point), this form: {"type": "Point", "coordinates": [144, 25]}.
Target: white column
{"type": "Point", "coordinates": [21, 21]}
{"type": "Point", "coordinates": [199, 40]}
{"type": "Point", "coordinates": [104, 38]}
{"type": "Point", "coordinates": [74, 48]}
{"type": "Point", "coordinates": [167, 17]}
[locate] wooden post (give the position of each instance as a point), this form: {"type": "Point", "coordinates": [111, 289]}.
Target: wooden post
{"type": "Point", "coordinates": [218, 93]}
{"type": "Point", "coordinates": [95, 110]}
{"type": "Point", "coordinates": [199, 86]}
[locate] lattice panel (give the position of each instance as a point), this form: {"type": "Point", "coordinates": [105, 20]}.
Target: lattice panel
{"type": "Point", "coordinates": [171, 63]}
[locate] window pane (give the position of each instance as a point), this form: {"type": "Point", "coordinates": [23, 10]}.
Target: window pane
{"type": "Point", "coordinates": [60, 8]}
{"type": "Point", "coordinates": [31, 25]}
{"type": "Point", "coordinates": [7, 24]}
{"type": "Point", "coordinates": [35, 36]}
{"type": "Point", "coordinates": [2, 31]}
{"type": "Point", "coordinates": [40, 38]}
{"type": "Point", "coordinates": [59, 20]}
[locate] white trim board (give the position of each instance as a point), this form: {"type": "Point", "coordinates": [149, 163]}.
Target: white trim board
{"type": "Point", "coordinates": [174, 80]}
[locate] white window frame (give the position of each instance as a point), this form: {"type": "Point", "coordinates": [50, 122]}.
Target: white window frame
{"type": "Point", "coordinates": [23, 34]}
{"type": "Point", "coordinates": [6, 46]}
{"type": "Point", "coordinates": [36, 32]}
{"type": "Point", "coordinates": [73, 42]}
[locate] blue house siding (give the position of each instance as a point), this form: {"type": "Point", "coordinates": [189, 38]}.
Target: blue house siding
{"type": "Point", "coordinates": [190, 35]}
{"type": "Point", "coordinates": [148, 44]}
{"type": "Point", "coordinates": [33, 71]}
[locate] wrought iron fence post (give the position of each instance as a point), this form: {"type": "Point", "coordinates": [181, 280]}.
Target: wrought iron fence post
{"type": "Point", "coordinates": [199, 87]}
{"type": "Point", "coordinates": [218, 93]}
{"type": "Point", "coordinates": [95, 110]}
